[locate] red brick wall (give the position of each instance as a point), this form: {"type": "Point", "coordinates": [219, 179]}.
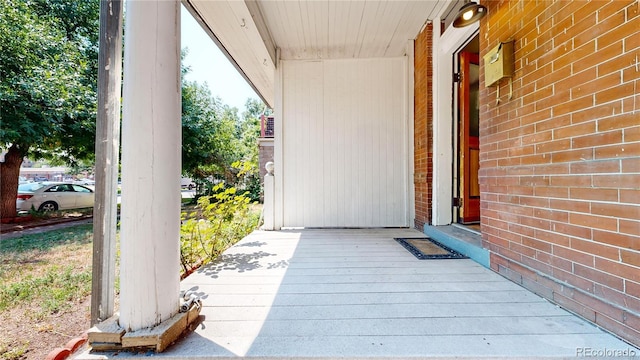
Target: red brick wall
{"type": "Point", "coordinates": [560, 161]}
{"type": "Point", "coordinates": [265, 154]}
{"type": "Point", "coordinates": [423, 116]}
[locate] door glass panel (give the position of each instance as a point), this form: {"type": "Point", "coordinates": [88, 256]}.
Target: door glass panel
{"type": "Point", "coordinates": [474, 106]}
{"type": "Point", "coordinates": [474, 187]}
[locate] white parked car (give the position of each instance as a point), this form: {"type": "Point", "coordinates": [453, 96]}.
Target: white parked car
{"type": "Point", "coordinates": [53, 196]}
{"type": "Point", "coordinates": [187, 183]}
{"type": "Point", "coordinates": [85, 182]}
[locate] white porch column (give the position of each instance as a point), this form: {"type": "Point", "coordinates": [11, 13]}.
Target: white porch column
{"type": "Point", "coordinates": [278, 153]}
{"type": "Point", "coordinates": [151, 164]}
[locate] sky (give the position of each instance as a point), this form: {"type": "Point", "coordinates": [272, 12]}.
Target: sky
{"type": "Point", "coordinates": [208, 64]}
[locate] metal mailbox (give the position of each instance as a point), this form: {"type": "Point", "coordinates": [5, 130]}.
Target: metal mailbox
{"type": "Point", "coordinates": [498, 63]}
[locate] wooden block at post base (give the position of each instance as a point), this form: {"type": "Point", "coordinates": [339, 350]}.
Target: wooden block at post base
{"type": "Point", "coordinates": [108, 331]}
{"type": "Point", "coordinates": [173, 333]}
{"type": "Point", "coordinates": [193, 313]}
{"type": "Point", "coordinates": [151, 337]}
{"type": "Point", "coordinates": [97, 346]}
{"type": "Point", "coordinates": [163, 335]}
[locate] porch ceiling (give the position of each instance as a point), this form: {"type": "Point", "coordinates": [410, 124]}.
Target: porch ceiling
{"type": "Point", "coordinates": [345, 29]}
{"type": "Point", "coordinates": [250, 31]}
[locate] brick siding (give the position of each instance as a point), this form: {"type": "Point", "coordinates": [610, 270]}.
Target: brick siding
{"type": "Point", "coordinates": [423, 127]}
{"type": "Point", "coordinates": [265, 154]}
{"type": "Point", "coordinates": [560, 161]}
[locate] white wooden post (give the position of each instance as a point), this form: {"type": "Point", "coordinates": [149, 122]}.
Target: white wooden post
{"type": "Point", "coordinates": [278, 136]}
{"type": "Point", "coordinates": [269, 198]}
{"type": "Point", "coordinates": [151, 162]}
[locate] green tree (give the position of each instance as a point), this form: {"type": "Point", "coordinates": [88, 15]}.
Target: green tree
{"type": "Point", "coordinates": [250, 129]}
{"type": "Point", "coordinates": [214, 137]}
{"type": "Point", "coordinates": [209, 133]}
{"type": "Point", "coordinates": [200, 113]}
{"type": "Point", "coordinates": [250, 132]}
{"type": "Point", "coordinates": [48, 81]}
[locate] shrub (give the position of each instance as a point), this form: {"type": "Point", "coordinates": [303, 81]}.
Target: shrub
{"type": "Point", "coordinates": [220, 220]}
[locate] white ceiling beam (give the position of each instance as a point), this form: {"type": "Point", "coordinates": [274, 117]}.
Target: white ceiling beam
{"type": "Point", "coordinates": [231, 26]}
{"type": "Point", "coordinates": [261, 26]}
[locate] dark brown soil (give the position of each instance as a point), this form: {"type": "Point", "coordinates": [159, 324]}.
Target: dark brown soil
{"type": "Point", "coordinates": [21, 332]}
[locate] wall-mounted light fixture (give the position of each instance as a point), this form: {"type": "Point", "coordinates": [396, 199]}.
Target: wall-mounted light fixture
{"type": "Point", "coordinates": [469, 13]}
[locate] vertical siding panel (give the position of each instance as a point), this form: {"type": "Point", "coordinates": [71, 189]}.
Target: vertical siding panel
{"type": "Point", "coordinates": [307, 186]}
{"type": "Point", "coordinates": [340, 158]}
{"type": "Point", "coordinates": [314, 166]}
{"type": "Point", "coordinates": [394, 173]}
{"type": "Point", "coordinates": [359, 166]}
{"type": "Point", "coordinates": [323, 150]}
{"type": "Point", "coordinates": [296, 141]}
{"type": "Point", "coordinates": [302, 122]}
{"type": "Point", "coordinates": [373, 142]}
{"type": "Point", "coordinates": [351, 180]}
{"type": "Point", "coordinates": [344, 138]}
{"type": "Point", "coordinates": [386, 175]}
{"type": "Point", "coordinates": [386, 158]}
{"type": "Point", "coordinates": [344, 166]}
{"type": "Point", "coordinates": [401, 143]}
{"type": "Point", "coordinates": [332, 141]}
{"type": "Point", "coordinates": [317, 149]}
{"type": "Point", "coordinates": [382, 174]}
{"type": "Point", "coordinates": [286, 127]}
{"type": "Point", "coordinates": [380, 111]}
{"type": "Point", "coordinates": [291, 180]}
{"type": "Point", "coordinates": [402, 204]}
{"type": "Point", "coordinates": [367, 118]}
{"type": "Point", "coordinates": [287, 131]}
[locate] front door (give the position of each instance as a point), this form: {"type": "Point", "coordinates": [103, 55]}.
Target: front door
{"type": "Point", "coordinates": [469, 144]}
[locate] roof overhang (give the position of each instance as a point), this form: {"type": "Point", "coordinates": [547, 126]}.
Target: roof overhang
{"type": "Point", "coordinates": [233, 29]}
{"type": "Point", "coordinates": [254, 34]}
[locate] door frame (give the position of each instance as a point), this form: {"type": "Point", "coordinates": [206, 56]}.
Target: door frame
{"type": "Point", "coordinates": [445, 46]}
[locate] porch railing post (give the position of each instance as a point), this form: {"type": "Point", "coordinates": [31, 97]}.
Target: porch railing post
{"type": "Point", "coordinates": [269, 198]}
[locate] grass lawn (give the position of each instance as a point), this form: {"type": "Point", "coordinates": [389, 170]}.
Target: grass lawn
{"type": "Point", "coordinates": [45, 283]}
{"type": "Point", "coordinates": [45, 287]}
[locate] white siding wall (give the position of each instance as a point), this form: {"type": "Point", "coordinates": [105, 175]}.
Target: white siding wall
{"type": "Point", "coordinates": [344, 128]}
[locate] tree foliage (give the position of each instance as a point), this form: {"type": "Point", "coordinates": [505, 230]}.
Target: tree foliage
{"type": "Point", "coordinates": [48, 81]}
{"type": "Point", "coordinates": [48, 77]}
{"type": "Point", "coordinates": [209, 136]}
{"type": "Point", "coordinates": [48, 85]}
{"type": "Point", "coordinates": [216, 143]}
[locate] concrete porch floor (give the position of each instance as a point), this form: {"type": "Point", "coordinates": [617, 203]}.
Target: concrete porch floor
{"type": "Point", "coordinates": [359, 294]}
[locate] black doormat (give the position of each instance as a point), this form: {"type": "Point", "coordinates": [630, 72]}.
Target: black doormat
{"type": "Point", "coordinates": [425, 249]}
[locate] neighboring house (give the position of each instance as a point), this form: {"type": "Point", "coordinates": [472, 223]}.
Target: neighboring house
{"type": "Point", "coordinates": [373, 129]}
{"type": "Point", "coordinates": [265, 144]}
